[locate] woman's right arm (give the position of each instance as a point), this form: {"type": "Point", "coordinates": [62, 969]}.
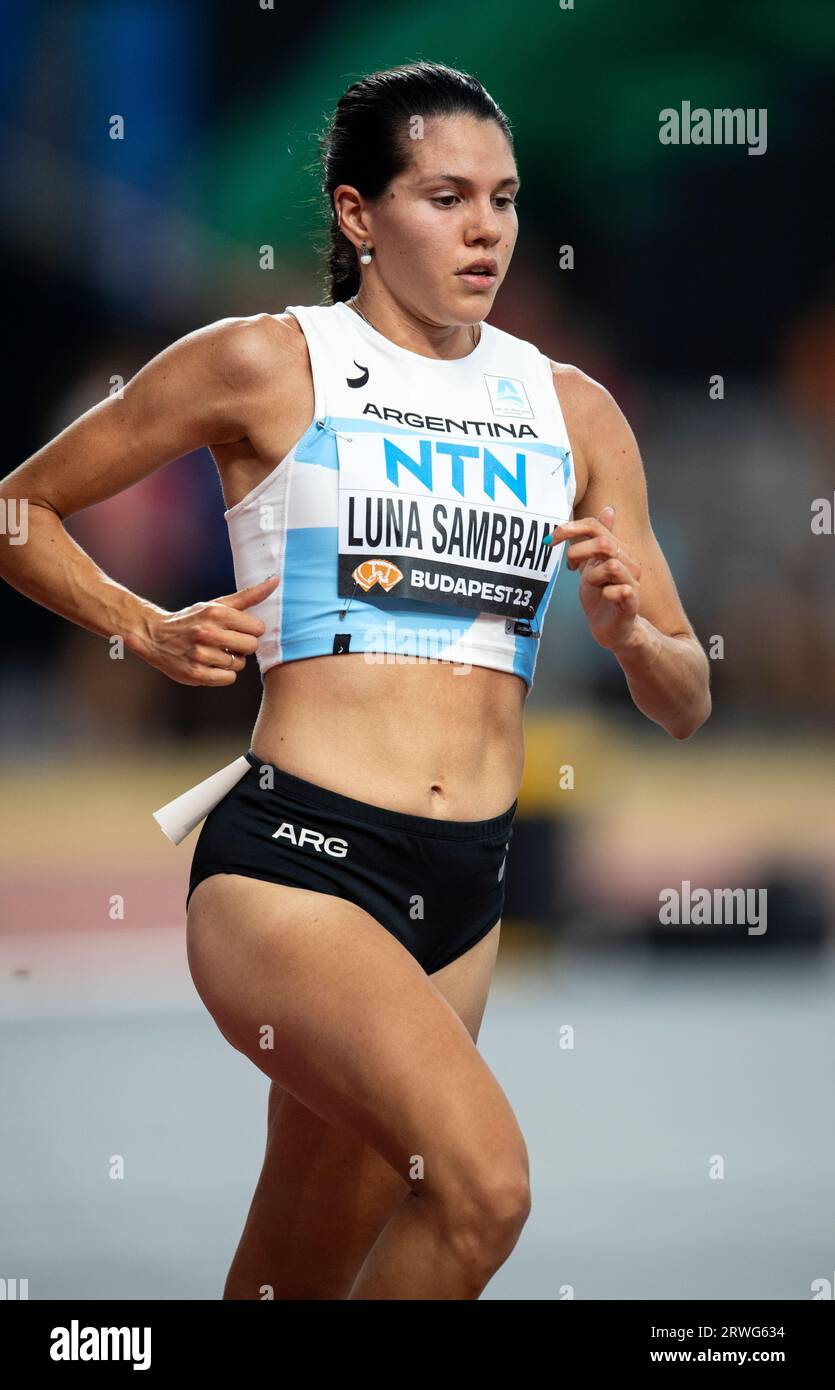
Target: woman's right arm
{"type": "Point", "coordinates": [202, 390]}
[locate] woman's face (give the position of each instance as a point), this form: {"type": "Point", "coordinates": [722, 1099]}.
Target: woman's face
{"type": "Point", "coordinates": [454, 205]}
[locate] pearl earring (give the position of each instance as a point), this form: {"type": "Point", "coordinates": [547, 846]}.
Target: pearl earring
{"type": "Point", "coordinates": [365, 254]}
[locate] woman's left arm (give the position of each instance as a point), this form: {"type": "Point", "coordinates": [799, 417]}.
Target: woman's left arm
{"type": "Point", "coordinates": [626, 588]}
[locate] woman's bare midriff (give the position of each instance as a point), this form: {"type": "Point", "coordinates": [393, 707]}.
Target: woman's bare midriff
{"type": "Point", "coordinates": [429, 739]}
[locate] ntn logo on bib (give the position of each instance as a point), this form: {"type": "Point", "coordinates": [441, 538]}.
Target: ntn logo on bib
{"type": "Point", "coordinates": [462, 523]}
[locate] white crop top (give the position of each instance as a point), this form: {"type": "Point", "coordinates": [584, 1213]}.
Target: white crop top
{"type": "Point", "coordinates": [409, 517]}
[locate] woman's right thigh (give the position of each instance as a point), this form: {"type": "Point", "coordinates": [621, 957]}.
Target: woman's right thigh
{"type": "Point", "coordinates": [323, 1195]}
{"type": "Point", "coordinates": [330, 1006]}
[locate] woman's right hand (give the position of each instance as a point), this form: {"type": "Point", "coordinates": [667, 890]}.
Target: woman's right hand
{"type": "Point", "coordinates": [208, 643]}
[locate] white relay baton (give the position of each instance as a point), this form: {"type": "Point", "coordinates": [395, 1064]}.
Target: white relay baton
{"type": "Point", "coordinates": [179, 817]}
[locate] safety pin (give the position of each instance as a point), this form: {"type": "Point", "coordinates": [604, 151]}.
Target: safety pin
{"type": "Point", "coordinates": [343, 611]}
{"type": "Point", "coordinates": [323, 426]}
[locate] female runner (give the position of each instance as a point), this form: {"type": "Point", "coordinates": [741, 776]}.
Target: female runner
{"type": "Point", "coordinates": [399, 477]}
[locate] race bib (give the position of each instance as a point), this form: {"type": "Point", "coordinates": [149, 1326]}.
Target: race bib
{"type": "Point", "coordinates": [449, 522]}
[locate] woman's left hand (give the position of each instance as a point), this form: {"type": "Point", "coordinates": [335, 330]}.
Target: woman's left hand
{"type": "Point", "coordinates": [609, 588]}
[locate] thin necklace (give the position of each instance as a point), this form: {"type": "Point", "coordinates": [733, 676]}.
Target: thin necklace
{"type": "Point", "coordinates": [353, 304]}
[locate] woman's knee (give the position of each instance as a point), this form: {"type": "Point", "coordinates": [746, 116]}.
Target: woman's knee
{"type": "Point", "coordinates": [484, 1206]}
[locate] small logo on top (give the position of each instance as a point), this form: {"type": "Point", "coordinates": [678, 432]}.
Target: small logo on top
{"type": "Point", "coordinates": [508, 396]}
{"type": "Point", "coordinates": [357, 381]}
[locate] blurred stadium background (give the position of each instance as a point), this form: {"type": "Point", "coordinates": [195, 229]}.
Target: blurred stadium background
{"type": "Point", "coordinates": [689, 262]}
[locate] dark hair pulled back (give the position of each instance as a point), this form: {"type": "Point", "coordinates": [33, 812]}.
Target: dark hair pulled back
{"type": "Point", "coordinates": [367, 142]}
